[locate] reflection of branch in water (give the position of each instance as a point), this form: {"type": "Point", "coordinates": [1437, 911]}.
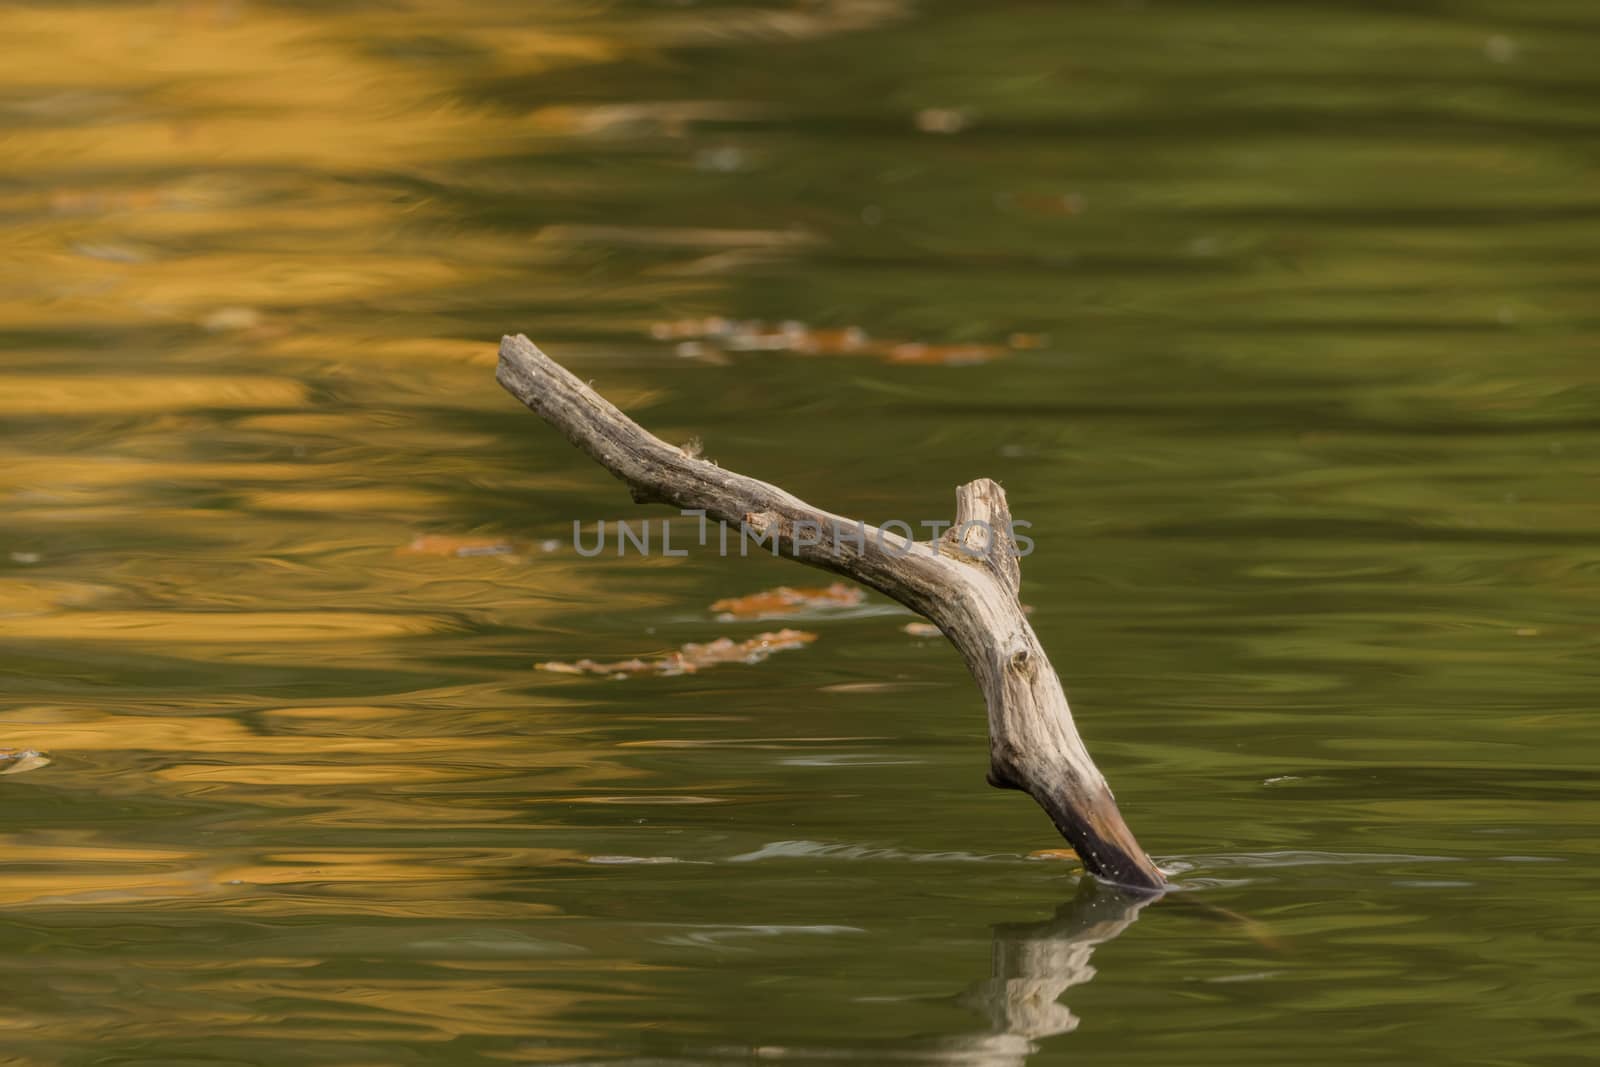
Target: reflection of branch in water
{"type": "Point", "coordinates": [1033, 964]}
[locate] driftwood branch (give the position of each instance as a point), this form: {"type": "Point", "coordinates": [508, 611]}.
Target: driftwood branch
{"type": "Point", "coordinates": [965, 582]}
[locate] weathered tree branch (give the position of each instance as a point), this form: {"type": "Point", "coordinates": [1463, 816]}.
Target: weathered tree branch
{"type": "Point", "coordinates": [966, 582]}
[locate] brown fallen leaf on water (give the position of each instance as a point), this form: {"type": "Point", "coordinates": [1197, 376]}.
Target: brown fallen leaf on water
{"type": "Point", "coordinates": [20, 760]}
{"type": "Point", "coordinates": [714, 334]}
{"type": "Point", "coordinates": [785, 601]}
{"type": "Point", "coordinates": [943, 119]}
{"type": "Point", "coordinates": [231, 319]}
{"type": "Point", "coordinates": [850, 340]}
{"type": "Point", "coordinates": [1054, 854]}
{"type": "Point", "coordinates": [921, 629]}
{"type": "Point", "coordinates": [692, 657]}
{"type": "Point", "coordinates": [942, 355]}
{"type": "Point", "coordinates": [447, 545]}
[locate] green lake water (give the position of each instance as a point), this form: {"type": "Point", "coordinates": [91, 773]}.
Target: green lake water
{"type": "Point", "coordinates": [1277, 321]}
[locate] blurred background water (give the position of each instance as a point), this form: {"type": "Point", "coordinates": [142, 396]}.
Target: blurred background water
{"type": "Point", "coordinates": [1276, 320]}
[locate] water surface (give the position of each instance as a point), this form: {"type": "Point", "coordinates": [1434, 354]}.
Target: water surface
{"type": "Point", "coordinates": [1276, 321]}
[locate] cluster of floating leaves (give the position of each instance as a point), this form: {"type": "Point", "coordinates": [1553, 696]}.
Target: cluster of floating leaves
{"type": "Point", "coordinates": [707, 338]}
{"type": "Point", "coordinates": [783, 602]}
{"type": "Point", "coordinates": [693, 657]}
{"type": "Point", "coordinates": [786, 602]}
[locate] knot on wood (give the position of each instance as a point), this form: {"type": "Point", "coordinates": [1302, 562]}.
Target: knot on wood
{"type": "Point", "coordinates": [762, 522]}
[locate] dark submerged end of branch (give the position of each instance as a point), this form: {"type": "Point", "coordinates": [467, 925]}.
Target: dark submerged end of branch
{"type": "Point", "coordinates": [1094, 827]}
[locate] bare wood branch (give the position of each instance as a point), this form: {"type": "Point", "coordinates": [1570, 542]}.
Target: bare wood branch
{"type": "Point", "coordinates": [966, 582]}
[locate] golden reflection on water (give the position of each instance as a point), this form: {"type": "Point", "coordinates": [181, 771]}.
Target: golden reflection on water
{"type": "Point", "coordinates": [45, 395]}
{"type": "Point", "coordinates": [247, 119]}
{"type": "Point", "coordinates": [231, 84]}
{"type": "Point", "coordinates": [324, 767]}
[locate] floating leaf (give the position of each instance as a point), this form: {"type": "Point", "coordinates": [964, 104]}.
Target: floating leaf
{"type": "Point", "coordinates": [231, 319]}
{"type": "Point", "coordinates": [943, 119]}
{"type": "Point", "coordinates": [709, 337]}
{"type": "Point", "coordinates": [943, 355]}
{"type": "Point", "coordinates": [21, 760]}
{"type": "Point", "coordinates": [693, 657]}
{"type": "Point", "coordinates": [446, 545]}
{"type": "Point", "coordinates": [1054, 854]}
{"type": "Point", "coordinates": [784, 602]}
